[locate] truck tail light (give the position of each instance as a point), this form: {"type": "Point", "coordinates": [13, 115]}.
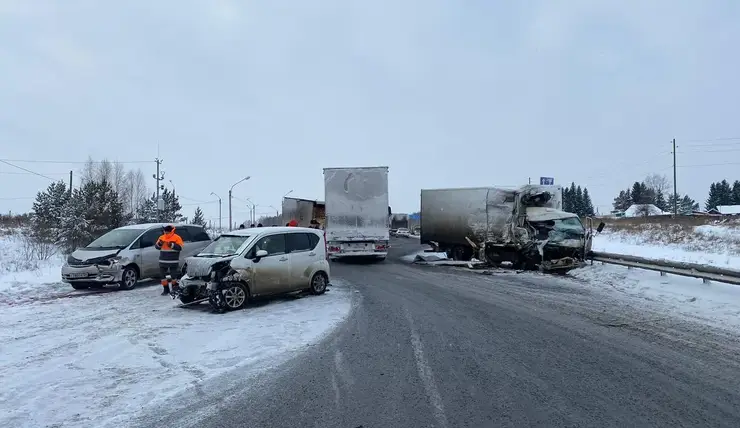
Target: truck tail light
{"type": "Point", "coordinates": [333, 249]}
{"type": "Point", "coordinates": [381, 247]}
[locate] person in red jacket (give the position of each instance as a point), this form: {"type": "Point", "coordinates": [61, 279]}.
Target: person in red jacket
{"type": "Point", "coordinates": [293, 223]}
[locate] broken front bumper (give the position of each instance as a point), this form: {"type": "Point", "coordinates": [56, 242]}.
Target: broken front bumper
{"type": "Point", "coordinates": [100, 274]}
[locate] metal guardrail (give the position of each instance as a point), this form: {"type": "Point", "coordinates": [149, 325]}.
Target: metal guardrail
{"type": "Point", "coordinates": [694, 270]}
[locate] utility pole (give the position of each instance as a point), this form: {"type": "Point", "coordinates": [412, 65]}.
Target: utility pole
{"type": "Point", "coordinates": [675, 191]}
{"type": "Point", "coordinates": [159, 177]}
{"type": "Point", "coordinates": [70, 184]}
{"type": "Point", "coordinates": [219, 211]}
{"type": "Point", "coordinates": [529, 179]}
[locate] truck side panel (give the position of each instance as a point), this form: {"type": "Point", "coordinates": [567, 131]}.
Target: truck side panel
{"type": "Point", "coordinates": [356, 203]}
{"type": "Point", "coordinates": [301, 210]}
{"type": "Point", "coordinates": [450, 215]}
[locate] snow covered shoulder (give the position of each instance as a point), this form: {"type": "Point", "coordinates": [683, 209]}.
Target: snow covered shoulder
{"type": "Point", "coordinates": [102, 359]}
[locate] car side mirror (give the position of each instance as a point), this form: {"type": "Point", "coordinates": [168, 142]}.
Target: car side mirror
{"type": "Point", "coordinates": [601, 227]}
{"type": "Point", "coordinates": [259, 254]}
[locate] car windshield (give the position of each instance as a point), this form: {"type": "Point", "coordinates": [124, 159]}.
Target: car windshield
{"type": "Point", "coordinates": [115, 239]}
{"type": "Point", "coordinates": [224, 245]}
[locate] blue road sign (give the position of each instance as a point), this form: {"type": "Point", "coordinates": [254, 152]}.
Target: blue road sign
{"type": "Point", "coordinates": [547, 181]}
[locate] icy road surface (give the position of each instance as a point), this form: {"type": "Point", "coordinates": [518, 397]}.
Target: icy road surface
{"type": "Point", "coordinates": [447, 347]}
{"type": "Point", "coordinates": [98, 360]}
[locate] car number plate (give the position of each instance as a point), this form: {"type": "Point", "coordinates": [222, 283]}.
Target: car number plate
{"type": "Point", "coordinates": [77, 275]}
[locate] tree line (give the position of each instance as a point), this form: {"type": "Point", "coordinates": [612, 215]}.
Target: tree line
{"type": "Point", "coordinates": [577, 200]}
{"type": "Point", "coordinates": [108, 197]}
{"type": "Point", "coordinates": [721, 193]}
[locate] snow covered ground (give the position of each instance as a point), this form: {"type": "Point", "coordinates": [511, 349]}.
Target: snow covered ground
{"type": "Point", "coordinates": [101, 359]}
{"type": "Point", "coordinates": [714, 245]}
{"type": "Point", "coordinates": [716, 304]}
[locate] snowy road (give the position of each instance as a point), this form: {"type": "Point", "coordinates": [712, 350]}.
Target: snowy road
{"type": "Point", "coordinates": [99, 360]}
{"type": "Point", "coordinates": [444, 347]}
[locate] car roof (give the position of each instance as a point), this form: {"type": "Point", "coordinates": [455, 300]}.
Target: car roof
{"type": "Point", "coordinates": [251, 231]}
{"type": "Point", "coordinates": [146, 226]}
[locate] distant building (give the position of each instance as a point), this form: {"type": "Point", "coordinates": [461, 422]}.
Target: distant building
{"type": "Point", "coordinates": [728, 209]}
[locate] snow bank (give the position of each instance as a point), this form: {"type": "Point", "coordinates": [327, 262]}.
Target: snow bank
{"type": "Point", "coordinates": [713, 245]}
{"type": "Point", "coordinates": [28, 271]}
{"type": "Point", "coordinates": [101, 359]}
{"type": "Point", "coordinates": [715, 304]}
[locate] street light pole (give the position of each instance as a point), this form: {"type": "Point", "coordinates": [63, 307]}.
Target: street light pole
{"type": "Point", "coordinates": [219, 211]}
{"type": "Point", "coordinates": [251, 211]}
{"type": "Point", "coordinates": [230, 191]}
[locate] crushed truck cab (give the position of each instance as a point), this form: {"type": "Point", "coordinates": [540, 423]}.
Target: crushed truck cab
{"type": "Point", "coordinates": [524, 226]}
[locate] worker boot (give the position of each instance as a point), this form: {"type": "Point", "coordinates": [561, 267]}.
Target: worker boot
{"type": "Point", "coordinates": [165, 287]}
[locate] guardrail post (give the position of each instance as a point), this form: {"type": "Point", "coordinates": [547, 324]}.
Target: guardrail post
{"type": "Point", "coordinates": [706, 281]}
{"type": "Point", "coordinates": [662, 273]}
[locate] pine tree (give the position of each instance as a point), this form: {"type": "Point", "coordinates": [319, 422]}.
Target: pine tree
{"type": "Point", "coordinates": [714, 197]}
{"type": "Point", "coordinates": [623, 200]}
{"type": "Point", "coordinates": [660, 201]}
{"type": "Point", "coordinates": [75, 228]}
{"type": "Point", "coordinates": [147, 211]}
{"type": "Point", "coordinates": [687, 206]}
{"type": "Point", "coordinates": [47, 212]}
{"type": "Point", "coordinates": [725, 193]}
{"type": "Point", "coordinates": [588, 206]}
{"type": "Point", "coordinates": [578, 202]}
{"type": "Point", "coordinates": [638, 195]}
{"type": "Point", "coordinates": [736, 192]}
{"type": "Point", "coordinates": [198, 217]}
{"type": "Point", "coordinates": [172, 207]}
{"type": "Point", "coordinates": [567, 201]}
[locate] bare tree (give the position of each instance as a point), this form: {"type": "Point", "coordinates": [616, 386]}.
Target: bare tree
{"type": "Point", "coordinates": [658, 183]}
{"type": "Point", "coordinates": [105, 171]}
{"type": "Point", "coordinates": [88, 172]}
{"type": "Point", "coordinates": [137, 190]}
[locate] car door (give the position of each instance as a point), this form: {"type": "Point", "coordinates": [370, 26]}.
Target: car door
{"type": "Point", "coordinates": [149, 254]}
{"type": "Point", "coordinates": [271, 274]}
{"type": "Point", "coordinates": [301, 254]}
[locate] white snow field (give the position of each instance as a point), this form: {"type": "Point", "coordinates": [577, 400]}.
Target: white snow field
{"type": "Point", "coordinates": [715, 245]}
{"type": "Point", "coordinates": [101, 359]}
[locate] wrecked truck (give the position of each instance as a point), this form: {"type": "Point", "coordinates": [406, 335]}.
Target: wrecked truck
{"type": "Point", "coordinates": [524, 226]}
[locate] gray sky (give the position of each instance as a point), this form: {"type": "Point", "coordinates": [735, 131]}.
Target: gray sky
{"type": "Point", "coordinates": [446, 93]}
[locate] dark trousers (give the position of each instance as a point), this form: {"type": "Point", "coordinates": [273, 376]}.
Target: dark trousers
{"type": "Point", "coordinates": [171, 269]}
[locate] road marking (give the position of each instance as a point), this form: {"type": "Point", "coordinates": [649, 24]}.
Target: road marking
{"type": "Point", "coordinates": [426, 375]}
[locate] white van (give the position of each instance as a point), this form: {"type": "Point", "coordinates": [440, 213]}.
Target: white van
{"type": "Point", "coordinates": [127, 254]}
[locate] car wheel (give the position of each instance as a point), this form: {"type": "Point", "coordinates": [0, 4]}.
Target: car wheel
{"type": "Point", "coordinates": [80, 286]}
{"type": "Point", "coordinates": [129, 278]}
{"type": "Point", "coordinates": [318, 283]}
{"type": "Point", "coordinates": [235, 295]}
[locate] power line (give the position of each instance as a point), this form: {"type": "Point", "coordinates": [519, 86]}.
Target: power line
{"type": "Point", "coordinates": [28, 170]}
{"type": "Point", "coordinates": [68, 162]}
{"type": "Point", "coordinates": [28, 173]}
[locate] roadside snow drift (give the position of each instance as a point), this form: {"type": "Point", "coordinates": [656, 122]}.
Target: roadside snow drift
{"type": "Point", "coordinates": [101, 359]}
{"type": "Point", "coordinates": [713, 245]}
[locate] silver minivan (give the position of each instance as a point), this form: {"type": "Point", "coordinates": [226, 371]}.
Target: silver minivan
{"type": "Point", "coordinates": [127, 254]}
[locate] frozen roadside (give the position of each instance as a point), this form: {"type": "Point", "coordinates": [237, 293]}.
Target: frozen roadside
{"type": "Point", "coordinates": [711, 245]}
{"type": "Point", "coordinates": [103, 359]}
{"type": "Point", "coordinates": [713, 304]}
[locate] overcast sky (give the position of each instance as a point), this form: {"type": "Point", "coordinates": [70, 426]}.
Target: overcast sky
{"type": "Point", "coordinates": [446, 93]}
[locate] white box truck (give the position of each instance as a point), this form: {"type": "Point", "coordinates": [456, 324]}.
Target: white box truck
{"type": "Point", "coordinates": [357, 212]}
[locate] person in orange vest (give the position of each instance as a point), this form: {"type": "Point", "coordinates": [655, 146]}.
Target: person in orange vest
{"type": "Point", "coordinates": [169, 245]}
